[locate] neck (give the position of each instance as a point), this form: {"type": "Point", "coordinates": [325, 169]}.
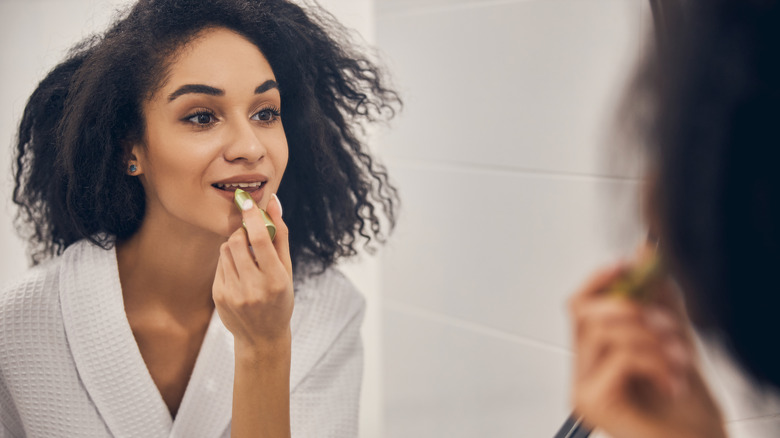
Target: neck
{"type": "Point", "coordinates": [170, 267]}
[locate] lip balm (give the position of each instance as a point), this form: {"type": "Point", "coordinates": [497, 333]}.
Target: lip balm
{"type": "Point", "coordinates": [637, 281]}
{"type": "Point", "coordinates": [240, 197]}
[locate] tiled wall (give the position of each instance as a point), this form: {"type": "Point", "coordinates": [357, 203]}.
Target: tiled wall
{"type": "Point", "coordinates": [506, 206]}
{"type": "Point", "coordinates": [509, 201]}
{"type": "Point", "coordinates": [34, 35]}
{"type": "Point", "coordinates": [498, 155]}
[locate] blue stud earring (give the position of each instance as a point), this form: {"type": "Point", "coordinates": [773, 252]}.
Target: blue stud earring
{"type": "Point", "coordinates": [133, 168]}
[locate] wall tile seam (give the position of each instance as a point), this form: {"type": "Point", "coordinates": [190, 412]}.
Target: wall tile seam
{"type": "Point", "coordinates": [756, 419]}
{"type": "Point", "coordinates": [411, 10]}
{"type": "Point", "coordinates": [453, 166]}
{"type": "Point", "coordinates": [474, 327]}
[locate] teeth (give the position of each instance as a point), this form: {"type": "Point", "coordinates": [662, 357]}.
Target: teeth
{"type": "Point", "coordinates": [241, 185]}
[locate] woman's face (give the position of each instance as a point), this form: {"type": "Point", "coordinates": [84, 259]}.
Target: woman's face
{"type": "Point", "coordinates": [212, 127]}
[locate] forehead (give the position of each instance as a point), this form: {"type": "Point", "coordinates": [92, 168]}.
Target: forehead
{"type": "Point", "coordinates": [219, 57]}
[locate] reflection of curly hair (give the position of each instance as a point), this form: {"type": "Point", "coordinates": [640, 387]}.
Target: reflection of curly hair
{"type": "Point", "coordinates": [76, 128]}
{"type": "Point", "coordinates": [714, 98]}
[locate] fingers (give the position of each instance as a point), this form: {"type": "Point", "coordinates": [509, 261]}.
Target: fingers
{"type": "Point", "coordinates": [253, 290]}
{"type": "Point", "coordinates": [611, 312]}
{"type": "Point", "coordinates": [666, 294]}
{"type": "Point", "coordinates": [635, 360]}
{"type": "Point", "coordinates": [240, 255]}
{"type": "Point", "coordinates": [619, 342]}
{"type": "Point", "coordinates": [605, 340]}
{"type": "Point", "coordinates": [254, 304]}
{"type": "Point", "coordinates": [219, 277]}
{"type": "Point", "coordinates": [229, 269]}
{"type": "Point", "coordinates": [269, 255]}
{"type": "Point", "coordinates": [605, 311]}
{"type": "Point", "coordinates": [226, 275]}
{"type": "Point", "coordinates": [281, 242]}
{"type": "Point", "coordinates": [628, 371]}
{"type": "Point", "coordinates": [595, 285]}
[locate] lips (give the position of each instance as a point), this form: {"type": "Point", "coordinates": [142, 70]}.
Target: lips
{"type": "Point", "coordinates": [248, 183]}
{"type": "Point", "coordinates": [248, 187]}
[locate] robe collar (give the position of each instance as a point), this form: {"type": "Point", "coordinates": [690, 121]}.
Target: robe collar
{"type": "Point", "coordinates": [112, 369]}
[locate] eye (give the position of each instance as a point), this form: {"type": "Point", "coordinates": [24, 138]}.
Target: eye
{"type": "Point", "coordinates": [267, 115]}
{"type": "Point", "coordinates": [201, 118]}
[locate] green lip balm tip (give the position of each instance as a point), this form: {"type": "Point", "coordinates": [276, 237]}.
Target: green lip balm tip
{"type": "Point", "coordinates": [240, 198]}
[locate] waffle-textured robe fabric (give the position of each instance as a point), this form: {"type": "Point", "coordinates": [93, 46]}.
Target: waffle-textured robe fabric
{"type": "Point", "coordinates": [70, 366]}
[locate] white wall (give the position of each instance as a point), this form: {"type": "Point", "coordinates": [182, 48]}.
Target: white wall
{"type": "Point", "coordinates": [34, 35]}
{"type": "Point", "coordinates": [498, 158]}
{"type": "Point", "coordinates": [508, 205]}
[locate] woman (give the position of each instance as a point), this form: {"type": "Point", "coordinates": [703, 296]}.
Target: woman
{"type": "Point", "coordinates": [713, 94]}
{"type": "Point", "coordinates": [128, 157]}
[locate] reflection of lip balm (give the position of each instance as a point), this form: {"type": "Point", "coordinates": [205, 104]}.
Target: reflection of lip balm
{"type": "Point", "coordinates": [240, 197]}
{"type": "Point", "coordinates": [636, 282]}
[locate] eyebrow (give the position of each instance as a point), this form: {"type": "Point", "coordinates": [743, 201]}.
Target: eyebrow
{"type": "Point", "coordinates": [265, 86]}
{"type": "Point", "coordinates": [213, 91]}
{"type": "Point", "coordinates": [196, 89]}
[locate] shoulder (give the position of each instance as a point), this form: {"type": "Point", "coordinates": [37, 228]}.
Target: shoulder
{"type": "Point", "coordinates": [327, 317]}
{"type": "Point", "coordinates": [30, 318]}
{"type": "Point", "coordinates": [35, 297]}
{"type": "Point", "coordinates": [329, 294]}
{"type": "Point", "coordinates": [37, 289]}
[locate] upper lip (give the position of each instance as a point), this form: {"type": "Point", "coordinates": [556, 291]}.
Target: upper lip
{"type": "Point", "coordinates": [253, 178]}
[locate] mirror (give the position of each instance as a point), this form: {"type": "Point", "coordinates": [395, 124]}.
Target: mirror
{"type": "Point", "coordinates": [506, 202]}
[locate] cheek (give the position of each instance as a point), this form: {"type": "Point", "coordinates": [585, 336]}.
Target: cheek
{"type": "Point", "coordinates": [282, 154]}
{"type": "Point", "coordinates": [283, 161]}
{"type": "Point", "coordinates": [173, 163]}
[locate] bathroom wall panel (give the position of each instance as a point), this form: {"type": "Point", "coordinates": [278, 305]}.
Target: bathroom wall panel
{"type": "Point", "coordinates": [443, 380]}
{"type": "Point", "coordinates": [504, 249]}
{"type": "Point", "coordinates": [521, 85]}
{"type": "Point", "coordinates": [406, 7]}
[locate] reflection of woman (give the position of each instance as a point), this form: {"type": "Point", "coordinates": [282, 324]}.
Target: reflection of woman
{"type": "Point", "coordinates": [712, 138]}
{"type": "Point", "coordinates": [129, 154]}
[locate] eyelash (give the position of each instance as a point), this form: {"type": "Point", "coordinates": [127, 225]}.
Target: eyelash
{"type": "Point", "coordinates": [199, 113]}
{"type": "Point", "coordinates": [275, 116]}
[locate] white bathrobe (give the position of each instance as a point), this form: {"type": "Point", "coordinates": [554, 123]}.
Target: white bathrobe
{"type": "Point", "coordinates": [70, 366]}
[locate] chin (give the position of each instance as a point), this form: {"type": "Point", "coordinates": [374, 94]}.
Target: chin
{"type": "Point", "coordinates": [228, 227]}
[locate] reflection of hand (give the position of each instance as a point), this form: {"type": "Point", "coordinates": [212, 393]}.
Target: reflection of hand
{"type": "Point", "coordinates": [253, 289]}
{"type": "Point", "coordinates": [635, 372]}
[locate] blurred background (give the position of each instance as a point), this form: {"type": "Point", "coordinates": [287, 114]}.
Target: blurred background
{"type": "Point", "coordinates": [511, 195]}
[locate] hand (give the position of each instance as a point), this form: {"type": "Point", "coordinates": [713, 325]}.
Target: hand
{"type": "Point", "coordinates": [253, 288]}
{"type": "Point", "coordinates": [636, 373]}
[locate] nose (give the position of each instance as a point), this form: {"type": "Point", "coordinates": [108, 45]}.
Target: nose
{"type": "Point", "coordinates": [244, 143]}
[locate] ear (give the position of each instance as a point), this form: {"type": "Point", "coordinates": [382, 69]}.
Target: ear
{"type": "Point", "coordinates": [134, 160]}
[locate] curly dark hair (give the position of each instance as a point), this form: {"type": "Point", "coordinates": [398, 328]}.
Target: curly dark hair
{"type": "Point", "coordinates": [74, 136]}
{"type": "Point", "coordinates": [713, 89]}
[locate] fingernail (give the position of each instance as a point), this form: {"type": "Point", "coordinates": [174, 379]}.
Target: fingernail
{"type": "Point", "coordinates": [659, 320]}
{"type": "Point", "coordinates": [243, 200]}
{"type": "Point", "coordinates": [281, 211]}
{"type": "Point", "coordinates": [677, 353]}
